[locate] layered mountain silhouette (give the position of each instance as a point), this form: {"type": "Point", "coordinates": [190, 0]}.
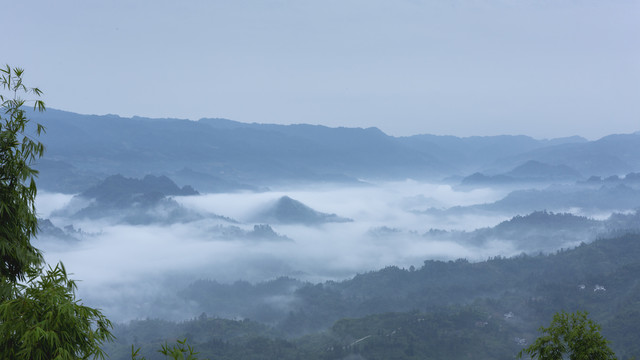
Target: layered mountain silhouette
{"type": "Point", "coordinates": [117, 188]}
{"type": "Point", "coordinates": [224, 155]}
{"type": "Point", "coordinates": [211, 183]}
{"type": "Point", "coordinates": [531, 171]}
{"type": "Point", "coordinates": [537, 231]}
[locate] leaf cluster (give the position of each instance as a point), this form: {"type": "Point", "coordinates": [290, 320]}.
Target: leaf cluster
{"type": "Point", "coordinates": [17, 185]}
{"type": "Point", "coordinates": [45, 321]}
{"type": "Point", "coordinates": [40, 318]}
{"type": "Point", "coordinates": [572, 335]}
{"type": "Point", "coordinates": [179, 351]}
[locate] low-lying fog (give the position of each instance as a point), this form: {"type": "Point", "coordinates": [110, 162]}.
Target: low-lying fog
{"type": "Point", "coordinates": [127, 270]}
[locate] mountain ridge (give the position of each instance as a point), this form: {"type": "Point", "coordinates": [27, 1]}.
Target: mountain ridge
{"type": "Point", "coordinates": [251, 156]}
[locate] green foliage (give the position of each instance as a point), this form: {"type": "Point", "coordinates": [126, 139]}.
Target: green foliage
{"type": "Point", "coordinates": [572, 335]}
{"type": "Point", "coordinates": [45, 321]}
{"type": "Point", "coordinates": [449, 333]}
{"type": "Point", "coordinates": [40, 319]}
{"type": "Point", "coordinates": [17, 186]}
{"type": "Point", "coordinates": [179, 351]}
{"type": "Point", "coordinates": [533, 287]}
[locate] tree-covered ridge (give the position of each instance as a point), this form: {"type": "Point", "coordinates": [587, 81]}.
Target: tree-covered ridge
{"type": "Point", "coordinates": [457, 332]}
{"type": "Point", "coordinates": [546, 278]}
{"type": "Point", "coordinates": [538, 231]}
{"type": "Point", "coordinates": [485, 310]}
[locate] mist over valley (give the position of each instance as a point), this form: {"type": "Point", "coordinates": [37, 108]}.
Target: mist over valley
{"type": "Point", "coordinates": [178, 220]}
{"type": "Point", "coordinates": [320, 180]}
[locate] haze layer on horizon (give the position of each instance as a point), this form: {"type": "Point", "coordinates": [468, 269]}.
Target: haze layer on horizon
{"type": "Point", "coordinates": [540, 68]}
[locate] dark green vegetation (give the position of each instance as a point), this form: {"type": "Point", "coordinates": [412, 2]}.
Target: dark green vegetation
{"type": "Point", "coordinates": [43, 320]}
{"type": "Point", "coordinates": [572, 335]}
{"type": "Point", "coordinates": [443, 310]}
{"type": "Point", "coordinates": [40, 318]}
{"type": "Point", "coordinates": [17, 184]}
{"type": "Point", "coordinates": [455, 333]}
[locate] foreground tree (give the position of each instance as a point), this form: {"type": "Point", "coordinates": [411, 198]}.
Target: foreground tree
{"type": "Point", "coordinates": [17, 185]}
{"type": "Point", "coordinates": [44, 321]}
{"type": "Point", "coordinates": [180, 351]}
{"type": "Point", "coordinates": [571, 336]}
{"type": "Point", "coordinates": [39, 319]}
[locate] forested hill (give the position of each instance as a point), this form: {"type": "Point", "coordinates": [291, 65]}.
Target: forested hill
{"type": "Point", "coordinates": [238, 155]}
{"type": "Point", "coordinates": [487, 309]}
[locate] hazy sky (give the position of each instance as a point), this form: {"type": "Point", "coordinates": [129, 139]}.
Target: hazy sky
{"type": "Point", "coordinates": [544, 68]}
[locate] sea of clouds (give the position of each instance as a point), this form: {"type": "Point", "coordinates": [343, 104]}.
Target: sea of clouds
{"type": "Point", "coordinates": [129, 271]}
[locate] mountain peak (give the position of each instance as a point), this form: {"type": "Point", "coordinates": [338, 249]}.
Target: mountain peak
{"type": "Point", "coordinates": [290, 211]}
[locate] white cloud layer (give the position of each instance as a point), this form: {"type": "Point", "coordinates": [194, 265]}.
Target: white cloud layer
{"type": "Point", "coordinates": [116, 262]}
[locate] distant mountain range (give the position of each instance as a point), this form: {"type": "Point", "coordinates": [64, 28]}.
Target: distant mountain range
{"type": "Point", "coordinates": [592, 196]}
{"type": "Point", "coordinates": [216, 155]}
{"type": "Point", "coordinates": [530, 172]}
